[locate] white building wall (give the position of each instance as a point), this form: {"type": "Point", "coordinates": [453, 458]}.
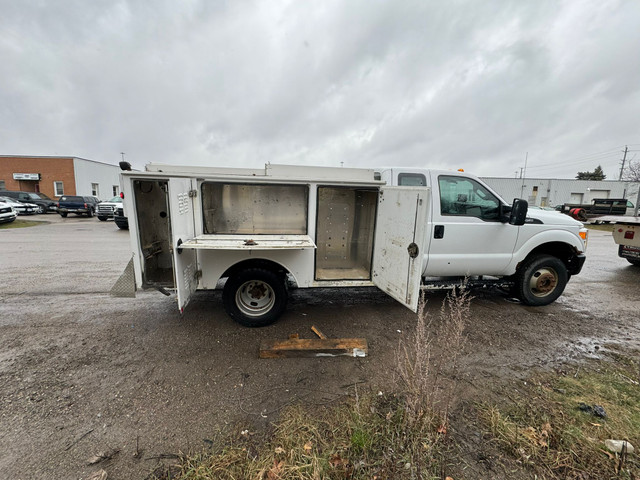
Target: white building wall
{"type": "Point", "coordinates": [552, 191]}
{"type": "Point", "coordinates": [88, 172]}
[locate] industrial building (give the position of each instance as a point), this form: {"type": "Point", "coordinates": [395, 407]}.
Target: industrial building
{"type": "Point", "coordinates": [549, 192]}
{"type": "Point", "coordinates": [57, 176]}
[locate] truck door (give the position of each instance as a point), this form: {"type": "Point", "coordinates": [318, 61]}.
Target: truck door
{"type": "Point", "coordinates": [185, 266]}
{"type": "Point", "coordinates": [399, 240]}
{"type": "Point", "coordinates": [467, 236]}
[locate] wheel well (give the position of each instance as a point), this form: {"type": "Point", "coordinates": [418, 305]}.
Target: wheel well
{"type": "Point", "coordinates": [256, 263]}
{"type": "Point", "coordinates": [560, 250]}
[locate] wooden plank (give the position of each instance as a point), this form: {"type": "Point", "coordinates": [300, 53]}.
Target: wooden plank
{"type": "Point", "coordinates": [317, 331]}
{"type": "Point", "coordinates": [314, 347]}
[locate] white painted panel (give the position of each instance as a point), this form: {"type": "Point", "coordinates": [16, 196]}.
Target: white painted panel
{"type": "Point", "coordinates": [400, 227]}
{"type": "Point", "coordinates": [185, 265]}
{"type": "Point", "coordinates": [576, 197]}
{"type": "Point", "coordinates": [248, 242]}
{"type": "Point", "coordinates": [87, 172]}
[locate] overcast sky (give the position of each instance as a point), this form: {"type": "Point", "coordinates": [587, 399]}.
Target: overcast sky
{"type": "Point", "coordinates": [441, 84]}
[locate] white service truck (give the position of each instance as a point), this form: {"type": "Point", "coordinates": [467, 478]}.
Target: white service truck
{"type": "Point", "coordinates": [402, 230]}
{"type": "Point", "coordinates": [626, 233]}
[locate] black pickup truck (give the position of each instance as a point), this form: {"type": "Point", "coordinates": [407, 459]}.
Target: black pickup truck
{"type": "Point", "coordinates": [78, 205]}
{"type": "Point", "coordinates": [597, 207]}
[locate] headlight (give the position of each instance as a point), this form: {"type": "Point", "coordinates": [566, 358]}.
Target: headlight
{"type": "Point", "coordinates": [584, 235]}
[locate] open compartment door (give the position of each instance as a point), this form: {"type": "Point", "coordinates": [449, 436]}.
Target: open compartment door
{"type": "Point", "coordinates": [185, 266]}
{"type": "Point", "coordinates": [399, 240]}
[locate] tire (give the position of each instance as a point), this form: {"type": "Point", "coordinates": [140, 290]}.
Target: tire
{"type": "Point", "coordinates": [634, 261]}
{"type": "Point", "coordinates": [255, 297]}
{"type": "Point", "coordinates": [41, 209]}
{"type": "Point", "coordinates": [102, 219]}
{"type": "Point", "coordinates": [90, 213]}
{"type": "Point", "coordinates": [541, 280]}
{"type": "Point", "coordinates": [63, 215]}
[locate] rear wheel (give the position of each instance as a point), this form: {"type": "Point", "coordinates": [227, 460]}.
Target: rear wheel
{"type": "Point", "coordinates": [63, 215]}
{"type": "Point", "coordinates": [90, 213]}
{"type": "Point", "coordinates": [541, 280]}
{"type": "Point", "coordinates": [255, 297]}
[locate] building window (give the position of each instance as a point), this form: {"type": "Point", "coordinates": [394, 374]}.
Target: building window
{"type": "Point", "coordinates": [95, 189]}
{"type": "Point", "coordinates": [116, 190]}
{"type": "Point", "coordinates": [58, 189]}
{"type": "Point", "coordinates": [2, 185]}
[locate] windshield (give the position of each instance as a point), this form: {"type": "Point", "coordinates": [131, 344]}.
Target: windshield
{"type": "Point", "coordinates": [35, 196]}
{"type": "Point", "coordinates": [115, 200]}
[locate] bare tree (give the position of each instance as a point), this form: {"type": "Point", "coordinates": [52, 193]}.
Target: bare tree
{"type": "Point", "coordinates": [632, 172]}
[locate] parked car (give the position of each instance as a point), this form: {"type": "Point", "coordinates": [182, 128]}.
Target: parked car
{"type": "Point", "coordinates": [107, 209]}
{"type": "Point", "coordinates": [7, 213]}
{"type": "Point", "coordinates": [45, 204]}
{"type": "Point", "coordinates": [77, 204]}
{"type": "Point", "coordinates": [20, 207]}
{"type": "Point", "coordinates": [121, 221]}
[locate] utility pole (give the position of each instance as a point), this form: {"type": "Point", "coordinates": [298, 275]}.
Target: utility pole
{"type": "Point", "coordinates": [523, 176]}
{"type": "Point", "coordinates": [624, 159]}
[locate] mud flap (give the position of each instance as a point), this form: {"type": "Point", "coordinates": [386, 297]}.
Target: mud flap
{"type": "Point", "coordinates": [125, 286]}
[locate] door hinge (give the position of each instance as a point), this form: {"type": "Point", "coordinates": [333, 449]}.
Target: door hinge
{"type": "Point", "coordinates": [193, 193]}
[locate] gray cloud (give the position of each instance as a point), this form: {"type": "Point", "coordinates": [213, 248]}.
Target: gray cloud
{"type": "Point", "coordinates": [437, 84]}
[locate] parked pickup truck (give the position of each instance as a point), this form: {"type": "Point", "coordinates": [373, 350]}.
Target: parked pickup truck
{"type": "Point", "coordinates": [597, 208]}
{"type": "Point", "coordinates": [108, 209]}
{"type": "Point", "coordinates": [120, 219]}
{"type": "Point", "coordinates": [76, 204]}
{"type": "Point", "coordinates": [402, 230]}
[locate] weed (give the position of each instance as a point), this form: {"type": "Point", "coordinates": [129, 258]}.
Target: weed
{"type": "Point", "coordinates": [385, 436]}
{"type": "Point", "coordinates": [545, 429]}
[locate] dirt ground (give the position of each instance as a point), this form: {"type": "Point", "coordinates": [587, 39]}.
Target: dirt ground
{"type": "Point", "coordinates": [82, 372]}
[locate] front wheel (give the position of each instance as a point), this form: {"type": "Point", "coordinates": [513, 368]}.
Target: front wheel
{"type": "Point", "coordinates": [41, 209]}
{"type": "Point", "coordinates": [102, 219]}
{"type": "Point", "coordinates": [63, 215]}
{"type": "Point", "coordinates": [541, 280]}
{"type": "Point", "coordinates": [255, 297]}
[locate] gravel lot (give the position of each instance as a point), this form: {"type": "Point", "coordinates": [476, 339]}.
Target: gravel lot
{"type": "Point", "coordinates": [82, 372]}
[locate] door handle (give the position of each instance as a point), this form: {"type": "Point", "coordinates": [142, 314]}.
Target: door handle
{"type": "Point", "coordinates": [438, 231]}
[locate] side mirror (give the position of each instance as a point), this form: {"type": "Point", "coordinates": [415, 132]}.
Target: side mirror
{"type": "Point", "coordinates": [518, 212]}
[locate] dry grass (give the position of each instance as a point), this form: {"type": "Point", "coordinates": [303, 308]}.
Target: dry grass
{"type": "Point", "coordinates": [370, 436]}
{"type": "Point", "coordinates": [544, 429]}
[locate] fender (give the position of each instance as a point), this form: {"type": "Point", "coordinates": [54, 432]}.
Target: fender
{"type": "Point", "coordinates": [218, 264]}
{"type": "Point", "coordinates": [555, 236]}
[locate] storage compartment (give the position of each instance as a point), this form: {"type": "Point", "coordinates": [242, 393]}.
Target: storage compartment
{"type": "Point", "coordinates": [345, 232]}
{"type": "Point", "coordinates": [152, 213]}
{"type": "Point", "coordinates": [230, 208]}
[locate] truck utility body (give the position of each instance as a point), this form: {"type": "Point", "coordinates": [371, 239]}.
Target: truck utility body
{"type": "Point", "coordinates": [398, 229]}
{"type": "Point", "coordinates": [626, 233]}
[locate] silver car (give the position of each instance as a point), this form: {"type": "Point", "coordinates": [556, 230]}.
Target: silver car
{"type": "Point", "coordinates": [20, 207]}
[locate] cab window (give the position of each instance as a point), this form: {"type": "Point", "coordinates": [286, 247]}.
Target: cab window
{"type": "Point", "coordinates": [412, 180]}
{"type": "Point", "coordinates": [465, 197]}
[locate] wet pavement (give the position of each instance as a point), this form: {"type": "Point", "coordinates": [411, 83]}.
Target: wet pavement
{"type": "Point", "coordinates": [82, 372]}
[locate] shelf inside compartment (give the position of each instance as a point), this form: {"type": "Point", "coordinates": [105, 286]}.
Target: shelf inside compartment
{"type": "Point", "coordinates": [250, 242]}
